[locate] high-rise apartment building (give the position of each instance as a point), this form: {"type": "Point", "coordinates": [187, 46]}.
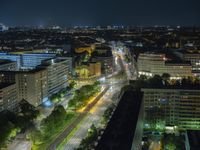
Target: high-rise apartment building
{"type": "Point", "coordinates": [31, 85]}
{"type": "Point", "coordinates": [8, 97]}
{"type": "Point", "coordinates": [58, 71]}
{"type": "Point", "coordinates": [180, 106]}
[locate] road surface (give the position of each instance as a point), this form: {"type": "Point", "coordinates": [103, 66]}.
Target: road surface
{"type": "Point", "coordinates": [94, 117]}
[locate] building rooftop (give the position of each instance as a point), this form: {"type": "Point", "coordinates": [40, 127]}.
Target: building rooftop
{"type": "Point", "coordinates": [175, 87]}
{"type": "Point", "coordinates": [50, 61]}
{"type": "Point", "coordinates": [102, 47]}
{"type": "Point", "coordinates": [4, 85]}
{"type": "Point", "coordinates": [178, 62]}
{"type": "Point", "coordinates": [27, 54]}
{"type": "Point", "coordinates": [24, 71]}
{"type": "Point", "coordinates": [107, 53]}
{"type": "Point", "coordinates": [5, 61]}
{"type": "Point", "coordinates": [121, 128]}
{"type": "Point", "coordinates": [190, 52]}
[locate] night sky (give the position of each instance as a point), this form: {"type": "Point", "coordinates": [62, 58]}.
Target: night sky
{"type": "Point", "coordinates": [100, 12]}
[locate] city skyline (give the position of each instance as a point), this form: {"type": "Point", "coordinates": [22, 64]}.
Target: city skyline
{"type": "Point", "coordinates": [93, 13]}
{"type": "Point", "coordinates": [100, 75]}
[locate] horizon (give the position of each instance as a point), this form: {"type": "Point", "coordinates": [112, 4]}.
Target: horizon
{"type": "Point", "coordinates": [94, 13]}
{"type": "Point", "coordinates": [102, 26]}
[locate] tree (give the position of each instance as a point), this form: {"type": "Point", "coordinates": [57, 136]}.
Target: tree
{"type": "Point", "coordinates": [170, 146]}
{"type": "Point", "coordinates": [155, 81]}
{"type": "Point", "coordinates": [8, 129]}
{"type": "Point", "coordinates": [12, 123]}
{"type": "Point", "coordinates": [28, 110]}
{"type": "Point", "coordinates": [53, 121]}
{"type": "Point", "coordinates": [107, 114]}
{"type": "Point", "coordinates": [165, 77]}
{"type": "Point", "coordinates": [97, 83]}
{"type": "Point", "coordinates": [35, 136]}
{"type": "Point", "coordinates": [72, 84]}
{"type": "Point", "coordinates": [169, 142]}
{"type": "Point", "coordinates": [141, 82]}
{"type": "Point", "coordinates": [87, 143]}
{"type": "Point", "coordinates": [196, 81]}
{"type": "Point", "coordinates": [143, 77]}
{"type": "Point", "coordinates": [186, 81]}
{"type": "Point", "coordinates": [82, 95]}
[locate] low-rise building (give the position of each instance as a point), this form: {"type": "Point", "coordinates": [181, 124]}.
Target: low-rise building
{"type": "Point", "coordinates": [177, 69]}
{"type": "Point", "coordinates": [106, 59]}
{"type": "Point", "coordinates": [93, 69]}
{"type": "Point", "coordinates": [83, 49]}
{"type": "Point", "coordinates": [194, 58]}
{"type": "Point", "coordinates": [151, 64]}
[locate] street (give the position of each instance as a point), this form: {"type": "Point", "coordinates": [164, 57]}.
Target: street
{"type": "Point", "coordinates": [96, 113]}
{"type": "Point", "coordinates": [80, 117]}
{"type": "Point", "coordinates": [93, 112]}
{"type": "Point", "coordinates": [94, 117]}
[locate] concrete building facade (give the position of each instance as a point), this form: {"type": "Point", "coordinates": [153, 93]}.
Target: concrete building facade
{"type": "Point", "coordinates": [180, 107]}
{"type": "Point", "coordinates": [95, 69]}
{"type": "Point", "coordinates": [107, 64]}
{"type": "Point", "coordinates": [31, 85]}
{"type": "Point", "coordinates": [8, 97]}
{"type": "Point", "coordinates": [151, 64]}
{"type": "Point", "coordinates": [57, 74]}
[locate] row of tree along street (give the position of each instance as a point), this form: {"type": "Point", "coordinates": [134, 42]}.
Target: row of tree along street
{"type": "Point", "coordinates": [82, 95]}
{"type": "Point", "coordinates": [59, 118]}
{"type": "Point", "coordinates": [24, 120]}
{"type": "Point", "coordinates": [12, 123]}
